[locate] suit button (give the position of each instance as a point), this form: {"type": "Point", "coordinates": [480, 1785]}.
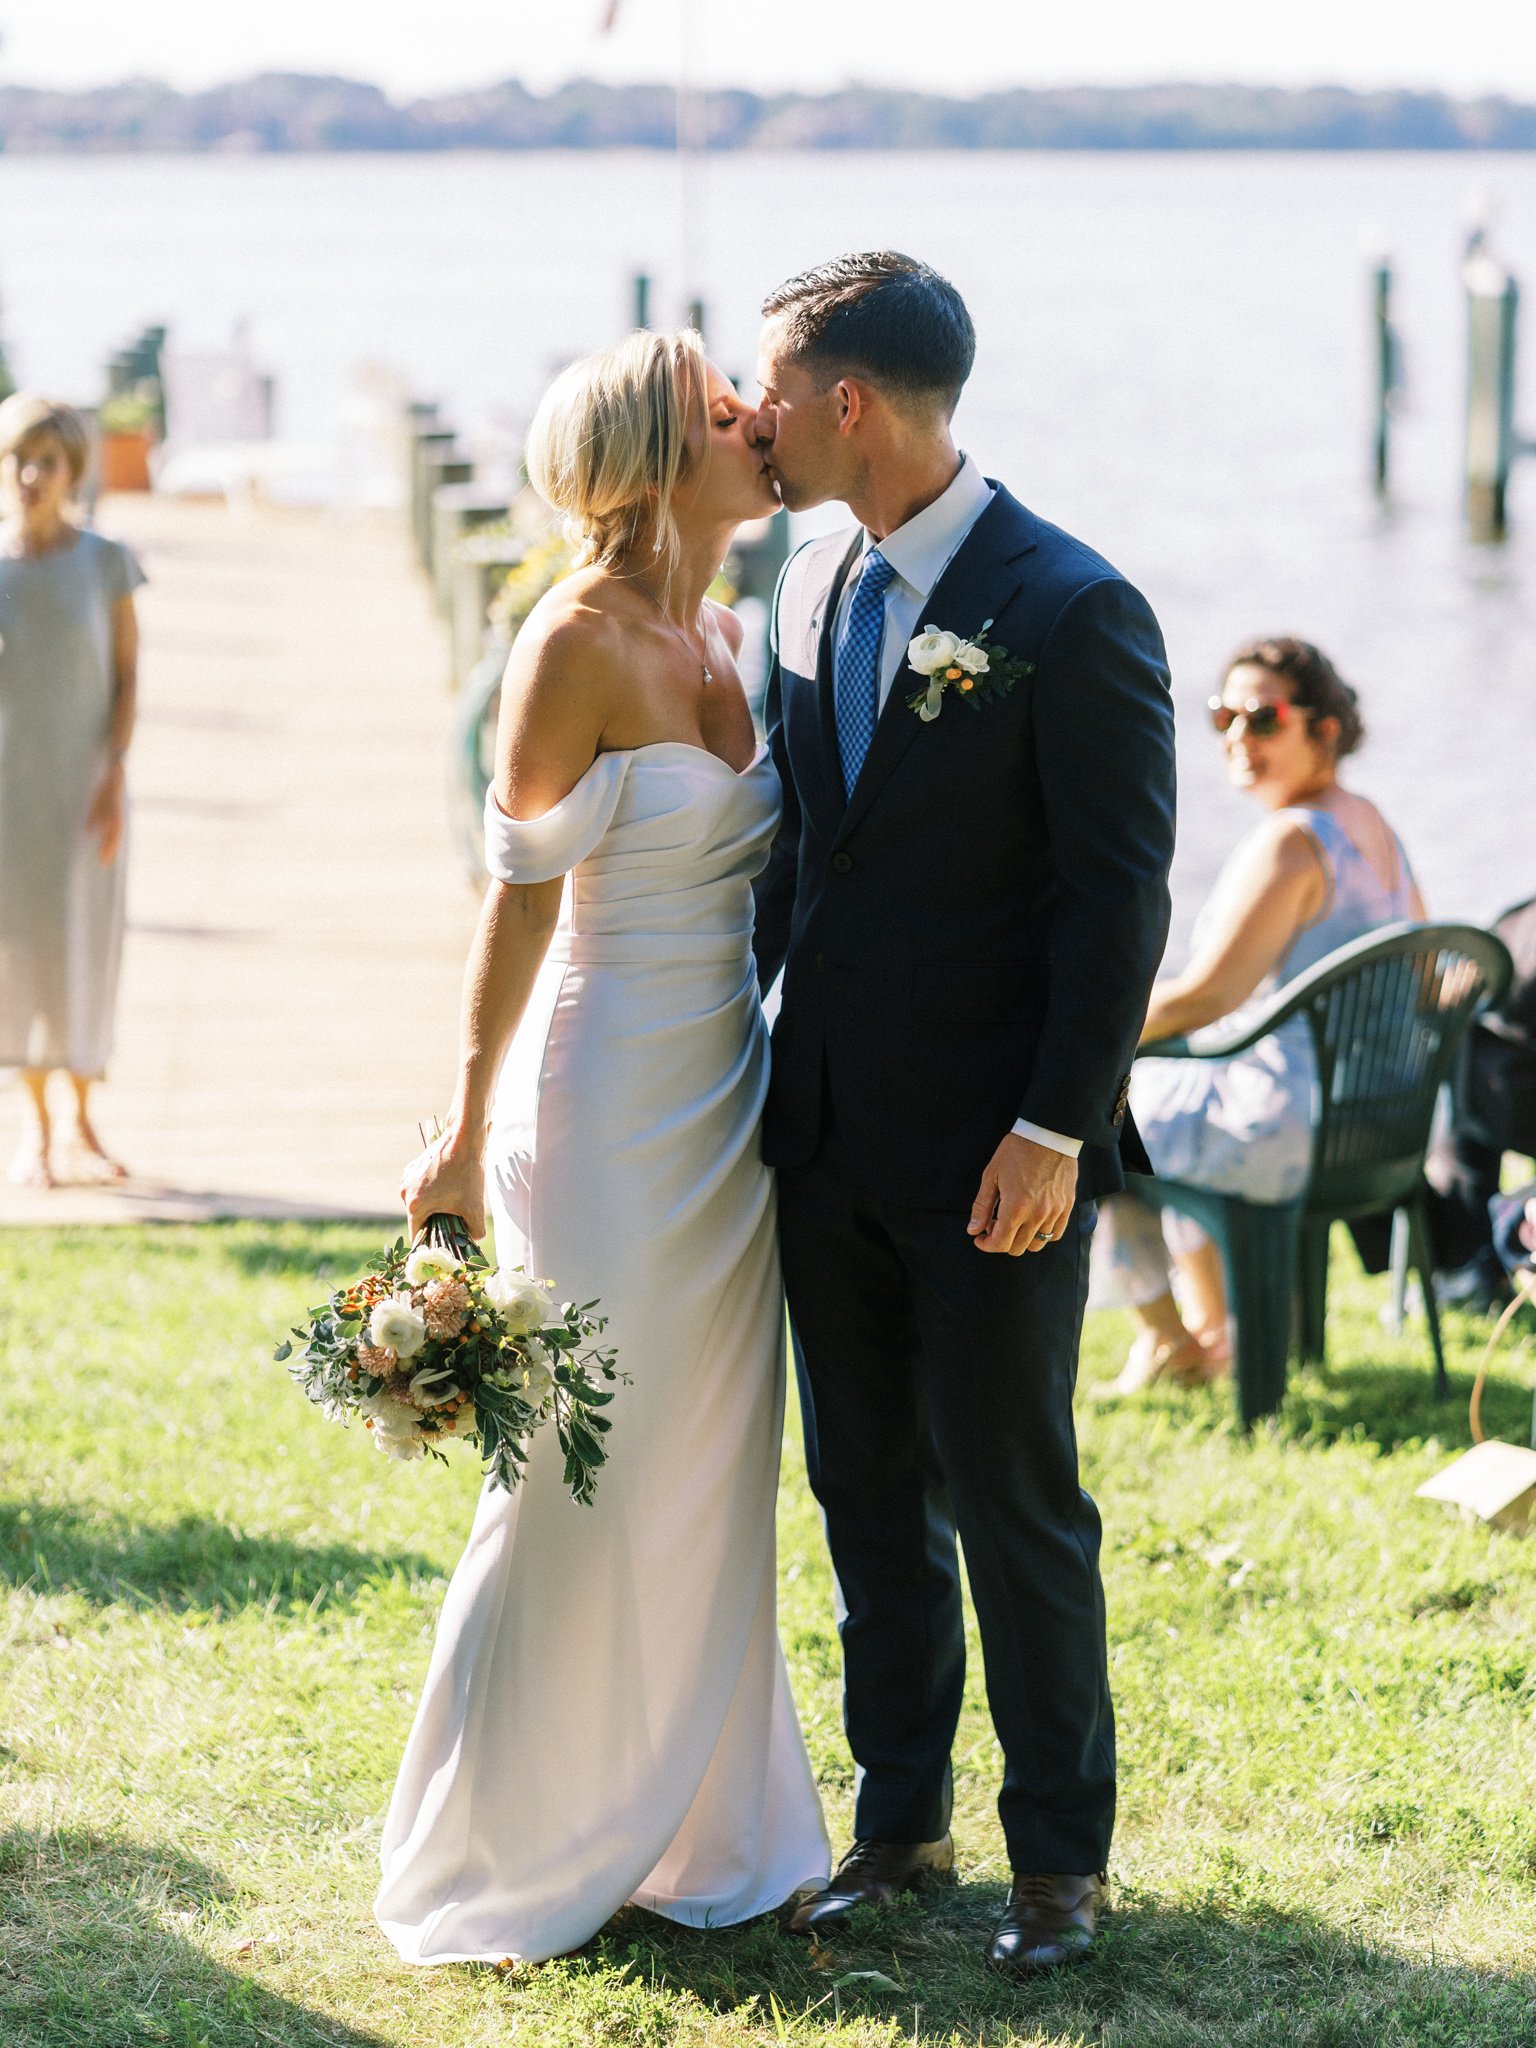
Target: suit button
{"type": "Point", "coordinates": [1118, 1118]}
{"type": "Point", "coordinates": [842, 863]}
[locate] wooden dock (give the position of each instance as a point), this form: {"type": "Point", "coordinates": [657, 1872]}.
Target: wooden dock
{"type": "Point", "coordinates": [298, 916]}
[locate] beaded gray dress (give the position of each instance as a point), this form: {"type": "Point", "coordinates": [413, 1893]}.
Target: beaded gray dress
{"type": "Point", "coordinates": [61, 911]}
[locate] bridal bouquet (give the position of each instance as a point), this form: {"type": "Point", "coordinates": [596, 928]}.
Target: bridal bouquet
{"type": "Point", "coordinates": [432, 1344]}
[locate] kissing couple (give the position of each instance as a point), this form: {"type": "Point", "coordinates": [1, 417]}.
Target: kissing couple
{"type": "Point", "coordinates": [955, 845]}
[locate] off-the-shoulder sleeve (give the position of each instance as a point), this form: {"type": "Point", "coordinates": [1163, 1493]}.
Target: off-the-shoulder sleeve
{"type": "Point", "coordinates": [538, 849]}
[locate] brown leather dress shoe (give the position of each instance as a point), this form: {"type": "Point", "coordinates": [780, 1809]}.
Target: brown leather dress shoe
{"type": "Point", "coordinates": [873, 1873]}
{"type": "Point", "coordinates": [1050, 1920]}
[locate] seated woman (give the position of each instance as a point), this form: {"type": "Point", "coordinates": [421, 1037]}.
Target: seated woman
{"type": "Point", "coordinates": [1322, 869]}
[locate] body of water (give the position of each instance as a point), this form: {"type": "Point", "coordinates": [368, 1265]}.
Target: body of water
{"type": "Point", "coordinates": [1174, 363]}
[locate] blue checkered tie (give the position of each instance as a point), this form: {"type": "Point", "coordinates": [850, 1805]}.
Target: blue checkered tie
{"type": "Point", "coordinates": [856, 672]}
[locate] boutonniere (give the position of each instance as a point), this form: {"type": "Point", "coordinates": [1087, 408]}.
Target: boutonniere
{"type": "Point", "coordinates": [977, 672]}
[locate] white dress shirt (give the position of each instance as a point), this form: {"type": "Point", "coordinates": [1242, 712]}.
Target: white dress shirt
{"type": "Point", "coordinates": [920, 552]}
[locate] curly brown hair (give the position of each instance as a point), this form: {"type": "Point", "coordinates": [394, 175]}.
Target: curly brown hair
{"type": "Point", "coordinates": [1315, 684]}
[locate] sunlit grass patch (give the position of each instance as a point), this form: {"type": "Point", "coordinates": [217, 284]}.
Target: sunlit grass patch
{"type": "Point", "coordinates": [215, 1612]}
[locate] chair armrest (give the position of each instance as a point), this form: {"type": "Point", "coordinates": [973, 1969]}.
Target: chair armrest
{"type": "Point", "coordinates": [1219, 1045]}
{"type": "Point", "coordinates": [1491, 957]}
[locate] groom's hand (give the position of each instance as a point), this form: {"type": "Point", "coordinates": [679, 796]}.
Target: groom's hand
{"type": "Point", "coordinates": [1025, 1200]}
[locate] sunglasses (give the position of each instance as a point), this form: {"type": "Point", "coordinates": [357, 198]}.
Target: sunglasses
{"type": "Point", "coordinates": [1262, 720]}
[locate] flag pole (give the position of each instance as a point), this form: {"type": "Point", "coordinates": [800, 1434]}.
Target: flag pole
{"type": "Point", "coordinates": [689, 110]}
{"type": "Point", "coordinates": [689, 136]}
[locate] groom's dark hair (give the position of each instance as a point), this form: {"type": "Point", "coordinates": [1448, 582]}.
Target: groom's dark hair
{"type": "Point", "coordinates": [881, 316]}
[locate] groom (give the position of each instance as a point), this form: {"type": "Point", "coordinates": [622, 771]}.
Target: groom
{"type": "Point", "coordinates": [968, 896]}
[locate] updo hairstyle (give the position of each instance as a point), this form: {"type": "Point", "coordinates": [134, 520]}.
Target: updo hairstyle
{"type": "Point", "coordinates": [609, 444]}
{"type": "Point", "coordinates": [24, 416]}
{"type": "Point", "coordinates": [1315, 684]}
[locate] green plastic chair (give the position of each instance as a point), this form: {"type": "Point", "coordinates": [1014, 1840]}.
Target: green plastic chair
{"type": "Point", "coordinates": [1386, 1014]}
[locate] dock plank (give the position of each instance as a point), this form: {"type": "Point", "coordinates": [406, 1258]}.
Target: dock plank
{"type": "Point", "coordinates": [298, 915]}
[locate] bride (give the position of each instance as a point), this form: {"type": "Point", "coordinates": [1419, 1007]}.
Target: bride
{"type": "Point", "coordinates": [607, 1716]}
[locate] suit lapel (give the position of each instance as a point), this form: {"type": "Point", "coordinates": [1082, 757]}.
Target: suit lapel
{"type": "Point", "coordinates": [978, 584]}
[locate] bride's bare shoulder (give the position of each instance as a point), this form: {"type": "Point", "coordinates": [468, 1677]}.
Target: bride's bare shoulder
{"type": "Point", "coordinates": [731, 629]}
{"type": "Point", "coordinates": [574, 639]}
{"type": "Point", "coordinates": [579, 620]}
{"type": "Point", "coordinates": [564, 678]}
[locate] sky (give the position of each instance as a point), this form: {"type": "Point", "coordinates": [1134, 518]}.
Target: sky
{"type": "Point", "coordinates": [1469, 46]}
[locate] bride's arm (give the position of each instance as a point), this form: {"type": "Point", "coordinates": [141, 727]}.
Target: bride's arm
{"type": "Point", "coordinates": [511, 939]}
{"type": "Point", "coordinates": [553, 711]}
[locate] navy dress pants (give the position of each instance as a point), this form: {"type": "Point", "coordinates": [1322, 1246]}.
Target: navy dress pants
{"type": "Point", "coordinates": [936, 1383]}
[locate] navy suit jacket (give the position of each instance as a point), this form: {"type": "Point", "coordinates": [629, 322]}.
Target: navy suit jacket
{"type": "Point", "coordinates": [970, 937]}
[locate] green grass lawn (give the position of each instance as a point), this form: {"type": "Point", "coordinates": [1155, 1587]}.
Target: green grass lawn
{"type": "Point", "coordinates": [217, 1611]}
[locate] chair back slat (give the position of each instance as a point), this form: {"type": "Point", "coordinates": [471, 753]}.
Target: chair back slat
{"type": "Point", "coordinates": [1386, 1015]}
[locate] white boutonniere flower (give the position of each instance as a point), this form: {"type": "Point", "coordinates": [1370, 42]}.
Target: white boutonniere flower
{"type": "Point", "coordinates": [977, 672]}
{"type": "Point", "coordinates": [932, 651]}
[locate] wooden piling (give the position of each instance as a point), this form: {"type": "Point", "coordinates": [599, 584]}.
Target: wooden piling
{"type": "Point", "coordinates": [1388, 357]}
{"type": "Point", "coordinates": [428, 446]}
{"type": "Point", "coordinates": [458, 509]}
{"type": "Point", "coordinates": [1493, 300]}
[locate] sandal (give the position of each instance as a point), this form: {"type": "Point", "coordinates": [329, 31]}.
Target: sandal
{"type": "Point", "coordinates": [31, 1169]}
{"type": "Point", "coordinates": [1183, 1360]}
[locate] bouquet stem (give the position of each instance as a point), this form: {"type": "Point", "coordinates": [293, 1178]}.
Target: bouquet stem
{"type": "Point", "coordinates": [445, 1233]}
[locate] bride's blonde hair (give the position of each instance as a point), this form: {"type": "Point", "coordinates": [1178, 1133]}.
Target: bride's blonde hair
{"type": "Point", "coordinates": [609, 444]}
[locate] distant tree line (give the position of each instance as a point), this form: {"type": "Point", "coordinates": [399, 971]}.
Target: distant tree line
{"type": "Point", "coordinates": [287, 111]}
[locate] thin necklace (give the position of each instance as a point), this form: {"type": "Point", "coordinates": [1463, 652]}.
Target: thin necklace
{"type": "Point", "coordinates": [704, 672]}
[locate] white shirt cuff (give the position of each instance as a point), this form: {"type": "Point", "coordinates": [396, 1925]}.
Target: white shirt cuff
{"type": "Point", "coordinates": [1052, 1140]}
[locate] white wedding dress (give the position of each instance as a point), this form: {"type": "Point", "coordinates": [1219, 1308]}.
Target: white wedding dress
{"type": "Point", "coordinates": [607, 1715]}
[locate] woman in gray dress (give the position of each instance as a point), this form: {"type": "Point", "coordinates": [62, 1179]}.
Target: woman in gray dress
{"type": "Point", "coordinates": [68, 649]}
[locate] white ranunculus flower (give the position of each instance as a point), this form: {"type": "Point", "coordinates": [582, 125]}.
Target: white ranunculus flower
{"type": "Point", "coordinates": [973, 659]}
{"type": "Point", "coordinates": [524, 1305]}
{"type": "Point", "coordinates": [389, 1415]}
{"type": "Point", "coordinates": [932, 650]}
{"type": "Point", "coordinates": [395, 1326]}
{"type": "Point", "coordinates": [534, 1383]}
{"type": "Point", "coordinates": [433, 1386]}
{"type": "Point", "coordinates": [402, 1447]}
{"type": "Point", "coordinates": [427, 1262]}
